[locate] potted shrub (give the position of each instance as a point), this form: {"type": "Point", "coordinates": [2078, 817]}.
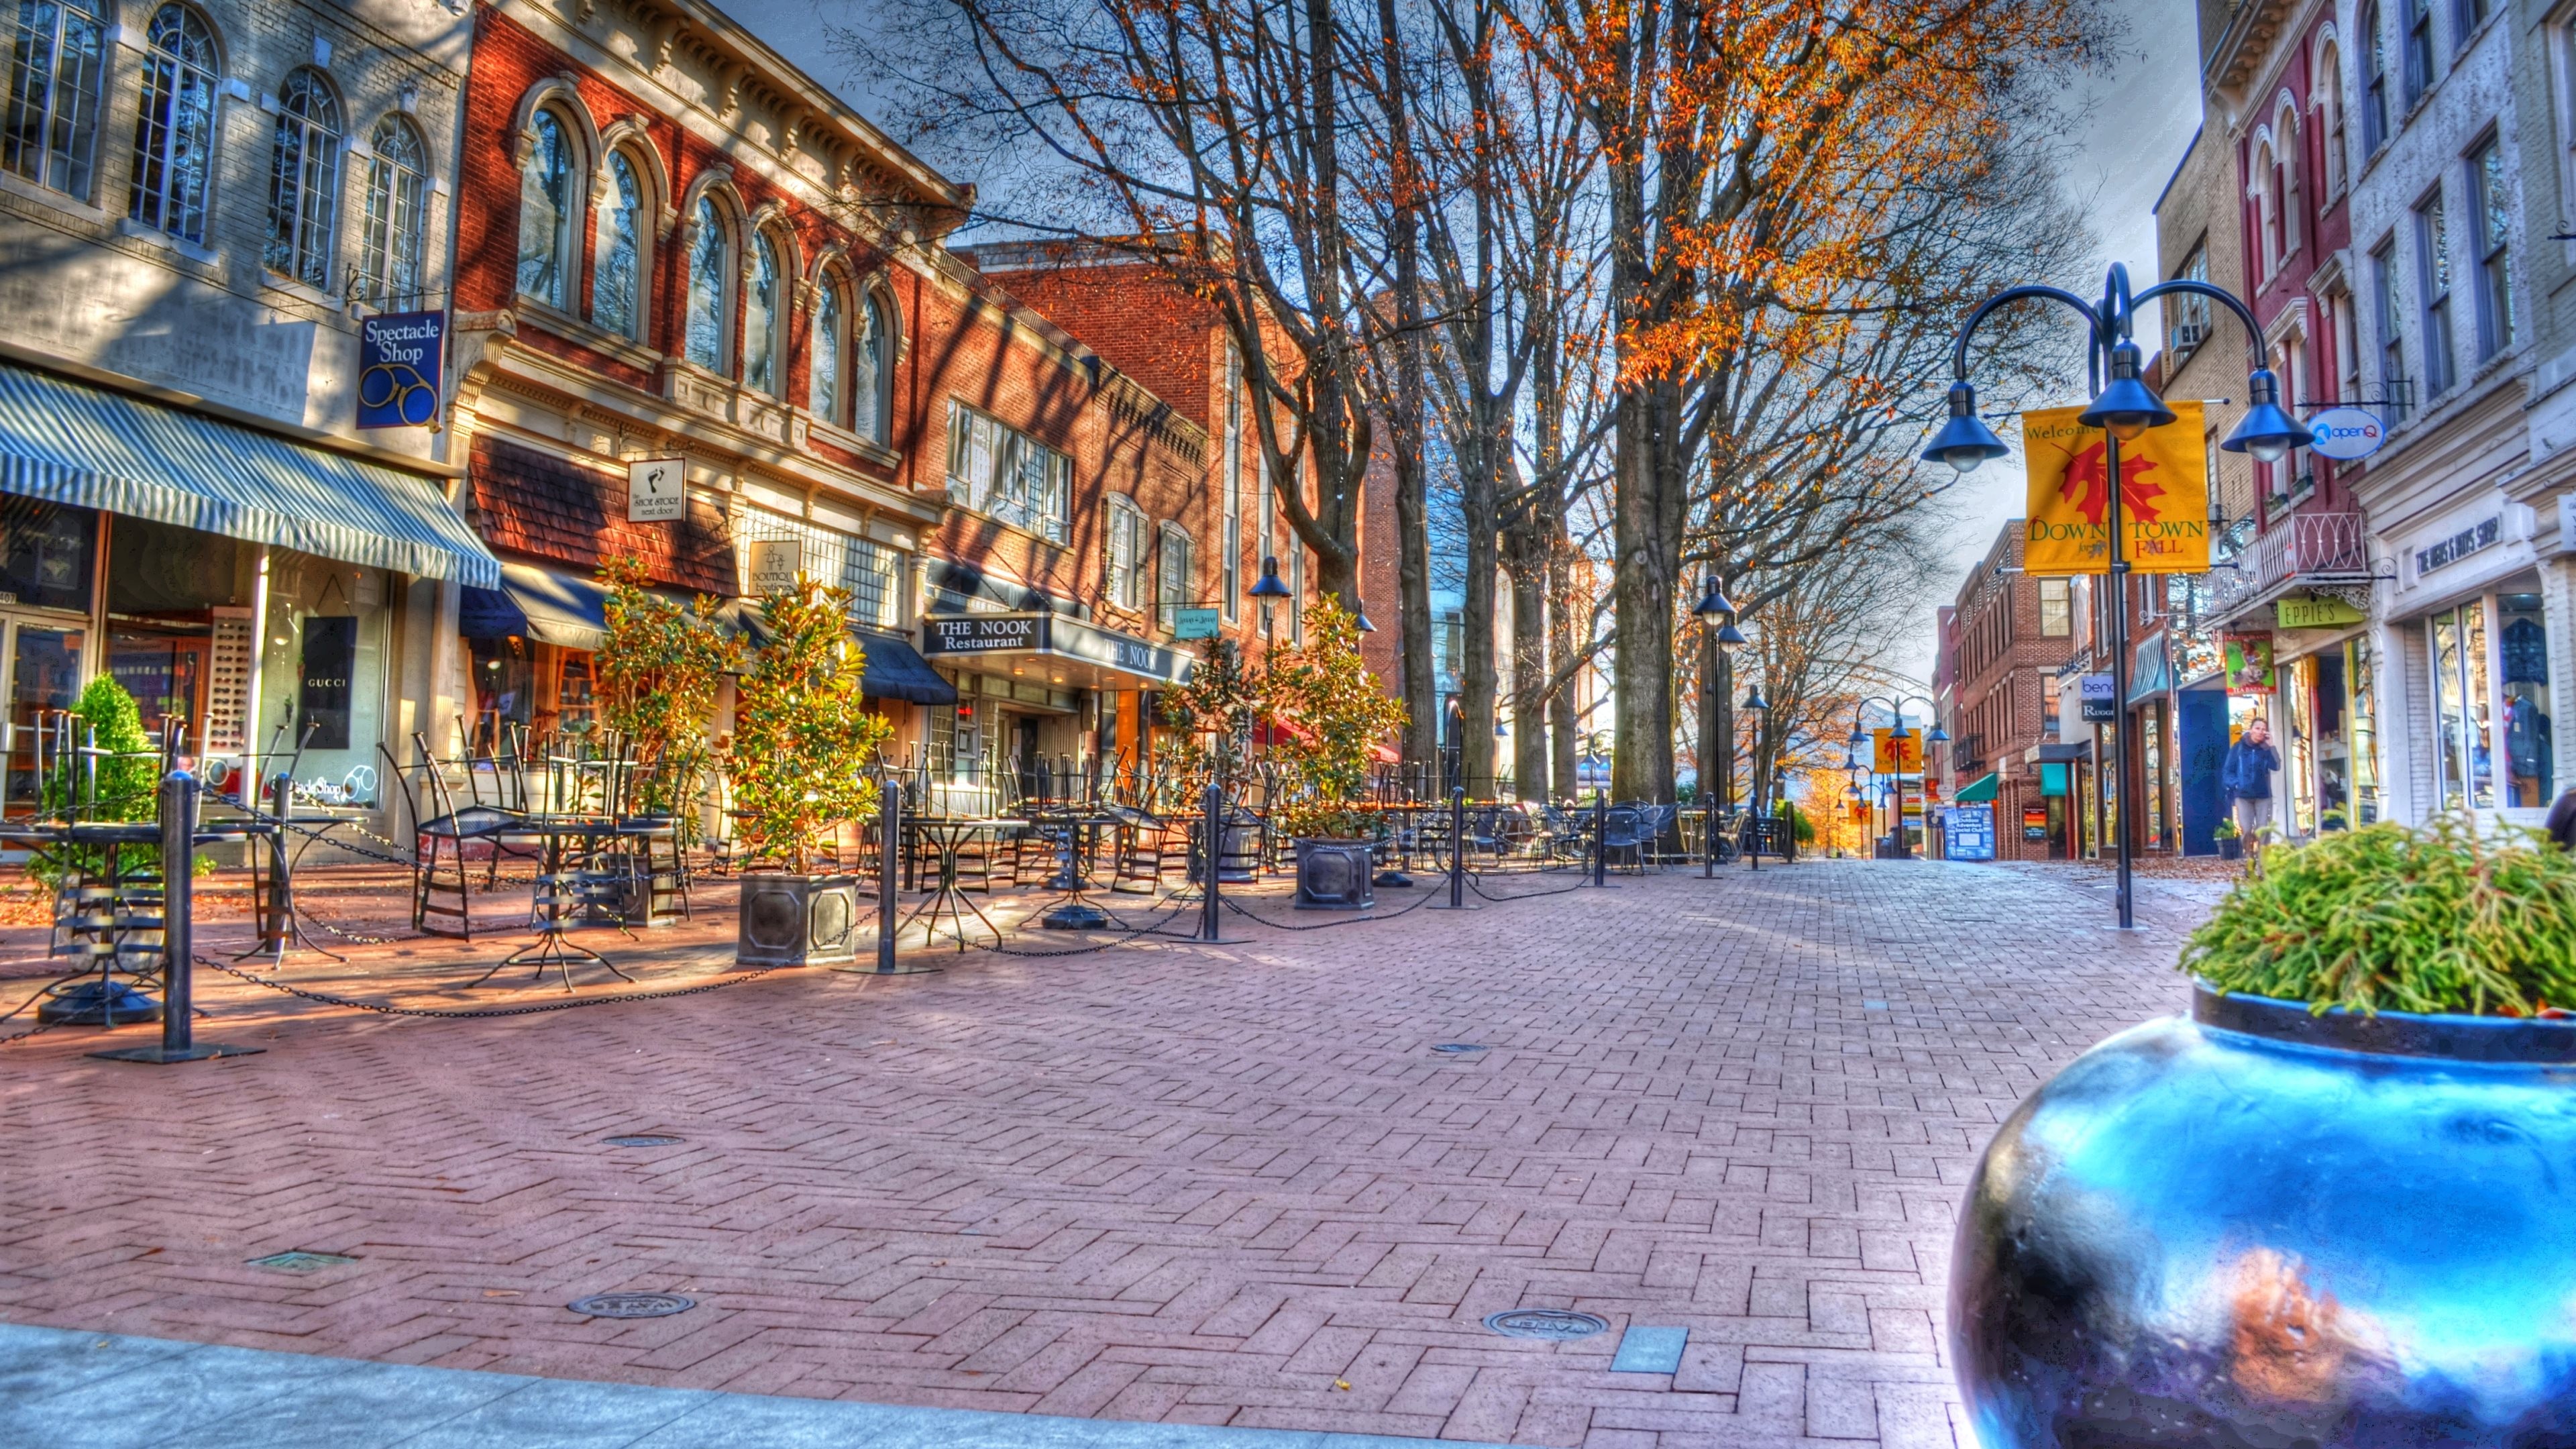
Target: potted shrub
{"type": "Point", "coordinates": [1326, 714]}
{"type": "Point", "coordinates": [2335, 1204]}
{"type": "Point", "coordinates": [798, 758]}
{"type": "Point", "coordinates": [659, 670]}
{"type": "Point", "coordinates": [1214, 713]}
{"type": "Point", "coordinates": [2231, 842]}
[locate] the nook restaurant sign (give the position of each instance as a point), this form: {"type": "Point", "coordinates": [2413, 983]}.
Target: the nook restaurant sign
{"type": "Point", "coordinates": [977, 634]}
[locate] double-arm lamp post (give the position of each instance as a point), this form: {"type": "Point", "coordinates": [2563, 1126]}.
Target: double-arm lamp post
{"type": "Point", "coordinates": [1860, 740]}
{"type": "Point", "coordinates": [2123, 410]}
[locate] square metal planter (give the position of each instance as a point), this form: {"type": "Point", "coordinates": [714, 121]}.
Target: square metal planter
{"type": "Point", "coordinates": [798, 920]}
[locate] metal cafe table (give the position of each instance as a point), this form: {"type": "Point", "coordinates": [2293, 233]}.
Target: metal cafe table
{"type": "Point", "coordinates": [947, 837]}
{"type": "Point", "coordinates": [107, 913]}
{"type": "Point", "coordinates": [1077, 829]}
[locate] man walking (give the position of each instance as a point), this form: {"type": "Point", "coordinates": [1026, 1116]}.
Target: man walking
{"type": "Point", "coordinates": [2247, 778]}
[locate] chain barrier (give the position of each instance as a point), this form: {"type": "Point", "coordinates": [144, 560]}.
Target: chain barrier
{"type": "Point", "coordinates": [1153, 929]}
{"type": "Point", "coordinates": [1418, 903]}
{"type": "Point", "coordinates": [20, 1010]}
{"type": "Point", "coordinates": [468, 1014]}
{"type": "Point", "coordinates": [1476, 883]}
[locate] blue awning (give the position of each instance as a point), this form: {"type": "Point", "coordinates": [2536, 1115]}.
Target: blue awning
{"type": "Point", "coordinates": [890, 667]}
{"type": "Point", "coordinates": [538, 604]}
{"type": "Point", "coordinates": [67, 442]}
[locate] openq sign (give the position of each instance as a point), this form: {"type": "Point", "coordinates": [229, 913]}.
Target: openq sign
{"type": "Point", "coordinates": [2164, 495]}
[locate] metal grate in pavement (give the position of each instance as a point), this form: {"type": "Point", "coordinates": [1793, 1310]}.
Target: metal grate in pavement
{"type": "Point", "coordinates": [300, 1261]}
{"type": "Point", "coordinates": [1454, 1048]}
{"type": "Point", "coordinates": [632, 1305]}
{"type": "Point", "coordinates": [641, 1140]}
{"type": "Point", "coordinates": [1650, 1350]}
{"type": "Point", "coordinates": [1554, 1324]}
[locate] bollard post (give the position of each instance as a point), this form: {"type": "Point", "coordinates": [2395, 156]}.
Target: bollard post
{"type": "Point", "coordinates": [1457, 852]}
{"type": "Point", "coordinates": [1601, 840]}
{"type": "Point", "coordinates": [889, 849]}
{"type": "Point", "coordinates": [1211, 918]}
{"type": "Point", "coordinates": [178, 935]}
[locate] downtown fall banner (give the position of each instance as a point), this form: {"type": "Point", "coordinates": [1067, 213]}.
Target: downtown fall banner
{"type": "Point", "coordinates": [2164, 495]}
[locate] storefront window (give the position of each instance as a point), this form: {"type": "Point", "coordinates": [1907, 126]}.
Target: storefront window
{"type": "Point", "coordinates": [504, 691]}
{"type": "Point", "coordinates": [2299, 745]}
{"type": "Point", "coordinates": [45, 675]}
{"type": "Point", "coordinates": [2151, 738]}
{"type": "Point", "coordinates": [576, 708]}
{"type": "Point", "coordinates": [47, 554]}
{"type": "Point", "coordinates": [2529, 744]}
{"type": "Point", "coordinates": [2364, 730]}
{"type": "Point", "coordinates": [2458, 641]}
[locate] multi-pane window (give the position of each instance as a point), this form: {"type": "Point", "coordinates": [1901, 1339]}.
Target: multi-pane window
{"type": "Point", "coordinates": [872, 573]}
{"type": "Point", "coordinates": [2456, 640]}
{"type": "Point", "coordinates": [2419, 49]}
{"type": "Point", "coordinates": [2490, 216]}
{"type": "Point", "coordinates": [545, 214]}
{"type": "Point", "coordinates": [2267, 208]}
{"type": "Point", "coordinates": [2056, 609]}
{"type": "Point", "coordinates": [709, 261]}
{"type": "Point", "coordinates": [2330, 103]}
{"type": "Point", "coordinates": [304, 179]}
{"type": "Point", "coordinates": [1230, 544]}
{"type": "Point", "coordinates": [1126, 554]}
{"type": "Point", "coordinates": [54, 69]}
{"type": "Point", "coordinates": [823, 363]}
{"type": "Point", "coordinates": [2466, 16]}
{"type": "Point", "coordinates": [760, 318]}
{"type": "Point", "coordinates": [871, 409]}
{"type": "Point", "coordinates": [2383, 304]}
{"type": "Point", "coordinates": [2433, 278]}
{"type": "Point", "coordinates": [2187, 313]}
{"type": "Point", "coordinates": [174, 130]}
{"type": "Point", "coordinates": [616, 273]}
{"type": "Point", "coordinates": [2374, 79]}
{"type": "Point", "coordinates": [999, 471]}
{"type": "Point", "coordinates": [1172, 581]}
{"type": "Point", "coordinates": [397, 197]}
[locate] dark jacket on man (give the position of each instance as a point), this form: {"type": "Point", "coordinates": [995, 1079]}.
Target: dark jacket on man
{"type": "Point", "coordinates": [2562, 821]}
{"type": "Point", "coordinates": [2247, 775]}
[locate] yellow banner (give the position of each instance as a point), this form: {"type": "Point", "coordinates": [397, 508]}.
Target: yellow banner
{"type": "Point", "coordinates": [2164, 495]}
{"type": "Point", "coordinates": [1899, 757]}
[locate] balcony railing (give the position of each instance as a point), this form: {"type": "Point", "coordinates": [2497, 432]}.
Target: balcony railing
{"type": "Point", "coordinates": [2304, 548]}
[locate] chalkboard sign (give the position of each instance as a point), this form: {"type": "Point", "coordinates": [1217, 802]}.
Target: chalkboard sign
{"type": "Point", "coordinates": [330, 658]}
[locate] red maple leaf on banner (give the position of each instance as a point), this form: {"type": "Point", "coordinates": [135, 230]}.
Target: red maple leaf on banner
{"type": "Point", "coordinates": [2086, 480]}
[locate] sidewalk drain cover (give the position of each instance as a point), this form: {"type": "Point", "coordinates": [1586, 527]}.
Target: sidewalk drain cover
{"type": "Point", "coordinates": [632, 1305]}
{"type": "Point", "coordinates": [1455, 1047]}
{"type": "Point", "coordinates": [645, 1140]}
{"type": "Point", "coordinates": [300, 1261]}
{"type": "Point", "coordinates": [1556, 1324]}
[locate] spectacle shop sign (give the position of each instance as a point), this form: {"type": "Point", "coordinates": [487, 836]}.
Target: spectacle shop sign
{"type": "Point", "coordinates": [2164, 495]}
{"type": "Point", "coordinates": [399, 365]}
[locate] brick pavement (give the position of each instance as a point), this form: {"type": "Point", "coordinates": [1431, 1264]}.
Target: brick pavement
{"type": "Point", "coordinates": [1165, 1183]}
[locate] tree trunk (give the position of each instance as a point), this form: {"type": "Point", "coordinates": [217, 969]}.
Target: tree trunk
{"type": "Point", "coordinates": [1564, 725]}
{"type": "Point", "coordinates": [1526, 558]}
{"type": "Point", "coordinates": [1476, 674]}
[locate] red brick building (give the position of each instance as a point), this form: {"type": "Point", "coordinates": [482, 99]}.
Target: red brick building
{"type": "Point", "coordinates": [682, 259]}
{"type": "Point", "coordinates": [2005, 639]}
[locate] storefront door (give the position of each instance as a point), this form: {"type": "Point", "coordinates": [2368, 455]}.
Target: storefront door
{"type": "Point", "coordinates": [44, 672]}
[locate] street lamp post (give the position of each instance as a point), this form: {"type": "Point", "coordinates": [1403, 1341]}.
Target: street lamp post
{"type": "Point", "coordinates": [1755, 705]}
{"type": "Point", "coordinates": [2124, 410]}
{"type": "Point", "coordinates": [1717, 761]}
{"type": "Point", "coordinates": [1935, 735]}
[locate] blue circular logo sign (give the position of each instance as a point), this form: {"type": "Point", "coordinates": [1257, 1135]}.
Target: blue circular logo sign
{"type": "Point", "coordinates": [2347, 433]}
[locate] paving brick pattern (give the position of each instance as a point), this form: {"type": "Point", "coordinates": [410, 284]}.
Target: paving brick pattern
{"type": "Point", "coordinates": [1165, 1183]}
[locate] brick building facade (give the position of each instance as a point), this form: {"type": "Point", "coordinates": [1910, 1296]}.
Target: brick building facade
{"type": "Point", "coordinates": [2007, 637]}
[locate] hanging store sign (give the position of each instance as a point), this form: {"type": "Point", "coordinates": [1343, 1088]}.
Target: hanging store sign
{"type": "Point", "coordinates": [775, 563]}
{"type": "Point", "coordinates": [1194, 623]}
{"type": "Point", "coordinates": [2249, 664]}
{"type": "Point", "coordinates": [982, 633]}
{"type": "Point", "coordinates": [2314, 612]}
{"type": "Point", "coordinates": [401, 356]}
{"type": "Point", "coordinates": [2164, 495]}
{"type": "Point", "coordinates": [656, 490]}
{"type": "Point", "coordinates": [2100, 699]}
{"type": "Point", "coordinates": [1898, 757]}
{"type": "Point", "coordinates": [2344, 434]}
{"type": "Point", "coordinates": [322, 705]}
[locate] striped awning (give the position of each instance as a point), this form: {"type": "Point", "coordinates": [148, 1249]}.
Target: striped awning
{"type": "Point", "coordinates": [67, 442]}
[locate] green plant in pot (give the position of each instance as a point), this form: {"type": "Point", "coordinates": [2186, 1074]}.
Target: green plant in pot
{"type": "Point", "coordinates": [1327, 716]}
{"type": "Point", "coordinates": [660, 669]}
{"type": "Point", "coordinates": [2335, 1203]}
{"type": "Point", "coordinates": [2231, 841]}
{"type": "Point", "coordinates": [798, 761]}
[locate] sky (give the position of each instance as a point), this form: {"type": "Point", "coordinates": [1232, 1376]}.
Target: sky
{"type": "Point", "coordinates": [2138, 115]}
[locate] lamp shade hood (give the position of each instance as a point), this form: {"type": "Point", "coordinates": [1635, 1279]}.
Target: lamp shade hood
{"type": "Point", "coordinates": [2128, 406]}
{"type": "Point", "coordinates": [2267, 431]}
{"type": "Point", "coordinates": [1965, 440]}
{"type": "Point", "coordinates": [1268, 585]}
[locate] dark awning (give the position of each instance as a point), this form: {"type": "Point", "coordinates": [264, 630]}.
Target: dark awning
{"type": "Point", "coordinates": [1980, 791]}
{"type": "Point", "coordinates": [538, 604]}
{"type": "Point", "coordinates": [893, 668]}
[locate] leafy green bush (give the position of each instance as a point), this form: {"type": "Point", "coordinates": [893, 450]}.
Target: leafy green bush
{"type": "Point", "coordinates": [2441, 919]}
{"type": "Point", "coordinates": [125, 782]}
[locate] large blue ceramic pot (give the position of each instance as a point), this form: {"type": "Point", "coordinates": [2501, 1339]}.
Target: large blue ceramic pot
{"type": "Point", "coordinates": [2264, 1228]}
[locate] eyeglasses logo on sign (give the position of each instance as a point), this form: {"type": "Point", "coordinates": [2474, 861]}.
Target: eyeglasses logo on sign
{"type": "Point", "coordinates": [400, 360]}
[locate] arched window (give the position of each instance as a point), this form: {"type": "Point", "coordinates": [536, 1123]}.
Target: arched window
{"type": "Point", "coordinates": [760, 318]}
{"type": "Point", "coordinates": [546, 204]}
{"type": "Point", "coordinates": [304, 179]}
{"type": "Point", "coordinates": [2330, 107]}
{"type": "Point", "coordinates": [823, 357]}
{"type": "Point", "coordinates": [2286, 180]}
{"type": "Point", "coordinates": [52, 126]}
{"type": "Point", "coordinates": [2374, 80]}
{"type": "Point", "coordinates": [174, 133]}
{"type": "Point", "coordinates": [619, 265]}
{"type": "Point", "coordinates": [2267, 208]}
{"type": "Point", "coordinates": [871, 369]}
{"type": "Point", "coordinates": [708, 265]}
{"type": "Point", "coordinates": [397, 199]}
